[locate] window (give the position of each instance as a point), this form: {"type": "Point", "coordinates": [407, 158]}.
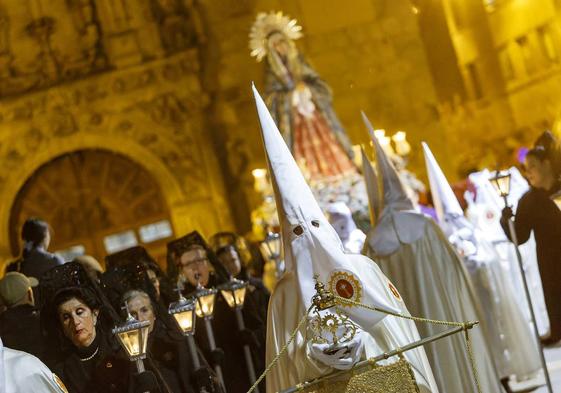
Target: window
{"type": "Point", "coordinates": [120, 241]}
{"type": "Point", "coordinates": [525, 49]}
{"type": "Point", "coordinates": [70, 253]}
{"type": "Point", "coordinates": [474, 81]}
{"type": "Point", "coordinates": [507, 68]}
{"type": "Point", "coordinates": [547, 46]}
{"type": "Point", "coordinates": [156, 231]}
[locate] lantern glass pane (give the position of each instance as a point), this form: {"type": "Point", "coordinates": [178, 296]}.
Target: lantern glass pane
{"type": "Point", "coordinates": [265, 250]}
{"type": "Point", "coordinates": [205, 305]}
{"type": "Point", "coordinates": [185, 321]}
{"type": "Point", "coordinates": [229, 296]}
{"type": "Point", "coordinates": [131, 342]}
{"type": "Point", "coordinates": [239, 295]}
{"type": "Point", "coordinates": [144, 332]}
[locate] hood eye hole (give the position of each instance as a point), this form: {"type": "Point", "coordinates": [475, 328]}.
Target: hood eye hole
{"type": "Point", "coordinates": [298, 230]}
{"type": "Point", "coordinates": [315, 223]}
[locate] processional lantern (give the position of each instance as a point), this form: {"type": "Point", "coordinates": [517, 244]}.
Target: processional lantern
{"type": "Point", "coordinates": [183, 311]}
{"type": "Point", "coordinates": [204, 308]}
{"type": "Point", "coordinates": [271, 248]}
{"type": "Point", "coordinates": [501, 182]}
{"type": "Point", "coordinates": [234, 293]}
{"type": "Point", "coordinates": [133, 337]}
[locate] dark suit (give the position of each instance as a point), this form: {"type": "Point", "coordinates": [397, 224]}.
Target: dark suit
{"type": "Point", "coordinates": [36, 263]}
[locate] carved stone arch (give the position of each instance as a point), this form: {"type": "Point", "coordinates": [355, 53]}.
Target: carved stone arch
{"type": "Point", "coordinates": [171, 192]}
{"type": "Point", "coordinates": [87, 196]}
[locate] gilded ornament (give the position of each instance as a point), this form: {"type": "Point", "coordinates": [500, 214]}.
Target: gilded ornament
{"type": "Point", "coordinates": [346, 285]}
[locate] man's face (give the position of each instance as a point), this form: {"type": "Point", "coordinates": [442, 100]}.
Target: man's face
{"type": "Point", "coordinates": [193, 265]}
{"type": "Point", "coordinates": [230, 259]}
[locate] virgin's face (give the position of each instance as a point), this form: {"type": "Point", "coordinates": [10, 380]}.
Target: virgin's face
{"type": "Point", "coordinates": [141, 309]}
{"type": "Point", "coordinates": [78, 322]}
{"type": "Point", "coordinates": [537, 171]}
{"type": "Point", "coordinates": [279, 44]}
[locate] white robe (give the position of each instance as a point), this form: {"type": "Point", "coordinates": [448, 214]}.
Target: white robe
{"type": "Point", "coordinates": [24, 373]}
{"type": "Point", "coordinates": [485, 212]}
{"type": "Point", "coordinates": [297, 366]}
{"type": "Point", "coordinates": [513, 345]}
{"type": "Point", "coordinates": [434, 283]}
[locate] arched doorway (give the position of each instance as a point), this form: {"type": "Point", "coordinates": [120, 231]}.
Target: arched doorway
{"type": "Point", "coordinates": [97, 202]}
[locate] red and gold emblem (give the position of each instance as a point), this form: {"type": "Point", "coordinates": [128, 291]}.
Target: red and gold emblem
{"type": "Point", "coordinates": [346, 285]}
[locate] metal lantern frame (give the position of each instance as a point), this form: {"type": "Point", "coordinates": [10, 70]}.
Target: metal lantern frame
{"type": "Point", "coordinates": [234, 292]}
{"type": "Point", "coordinates": [134, 332]}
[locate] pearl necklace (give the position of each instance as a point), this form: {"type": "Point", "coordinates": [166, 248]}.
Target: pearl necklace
{"type": "Point", "coordinates": [90, 357]}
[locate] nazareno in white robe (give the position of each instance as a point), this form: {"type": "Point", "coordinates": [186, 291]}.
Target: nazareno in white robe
{"type": "Point", "coordinates": [484, 211]}
{"type": "Point", "coordinates": [297, 366]}
{"type": "Point", "coordinates": [24, 373]}
{"type": "Point", "coordinates": [434, 283]}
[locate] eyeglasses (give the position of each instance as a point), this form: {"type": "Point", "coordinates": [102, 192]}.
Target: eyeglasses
{"type": "Point", "coordinates": [200, 262]}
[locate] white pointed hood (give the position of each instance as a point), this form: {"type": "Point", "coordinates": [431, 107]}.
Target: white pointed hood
{"type": "Point", "coordinates": [394, 195]}
{"type": "Point", "coordinates": [311, 245]}
{"type": "Point", "coordinates": [397, 222]}
{"type": "Point", "coordinates": [372, 188]}
{"type": "Point", "coordinates": [448, 210]}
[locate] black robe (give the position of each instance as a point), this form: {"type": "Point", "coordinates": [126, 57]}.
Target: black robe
{"type": "Point", "coordinates": [170, 354]}
{"type": "Point", "coordinates": [229, 340]}
{"type": "Point", "coordinates": [106, 371]}
{"type": "Point", "coordinates": [537, 212]}
{"type": "Point", "coordinates": [20, 329]}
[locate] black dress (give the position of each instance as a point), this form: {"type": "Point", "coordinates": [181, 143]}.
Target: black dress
{"type": "Point", "coordinates": [231, 341]}
{"type": "Point", "coordinates": [20, 329]}
{"type": "Point", "coordinates": [103, 368]}
{"type": "Point", "coordinates": [537, 212]}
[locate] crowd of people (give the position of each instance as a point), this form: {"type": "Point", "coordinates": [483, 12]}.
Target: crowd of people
{"type": "Point", "coordinates": [64, 314]}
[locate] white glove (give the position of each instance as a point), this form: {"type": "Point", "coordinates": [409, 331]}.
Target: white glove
{"type": "Point", "coordinates": [342, 359]}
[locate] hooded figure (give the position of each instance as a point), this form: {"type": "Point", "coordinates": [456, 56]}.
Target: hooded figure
{"type": "Point", "coordinates": [312, 247]}
{"type": "Point", "coordinates": [514, 348]}
{"type": "Point", "coordinates": [341, 218]}
{"type": "Point", "coordinates": [414, 253]}
{"type": "Point", "coordinates": [484, 211]}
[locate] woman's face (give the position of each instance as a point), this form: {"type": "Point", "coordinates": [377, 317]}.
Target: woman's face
{"type": "Point", "coordinates": [231, 261]}
{"type": "Point", "coordinates": [193, 265]}
{"type": "Point", "coordinates": [538, 172]}
{"type": "Point", "coordinates": [78, 322]}
{"type": "Point", "coordinates": [153, 277]}
{"type": "Point", "coordinates": [141, 309]}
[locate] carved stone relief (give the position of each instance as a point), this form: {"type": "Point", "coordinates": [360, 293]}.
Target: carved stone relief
{"type": "Point", "coordinates": [148, 106]}
{"type": "Point", "coordinates": [86, 194]}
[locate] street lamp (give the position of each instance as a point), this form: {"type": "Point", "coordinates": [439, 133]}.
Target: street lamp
{"type": "Point", "coordinates": [501, 182]}
{"type": "Point", "coordinates": [234, 292]}
{"type": "Point", "coordinates": [133, 337]}
{"type": "Point", "coordinates": [271, 248]}
{"type": "Point", "coordinates": [183, 311]}
{"type": "Point", "coordinates": [204, 308]}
